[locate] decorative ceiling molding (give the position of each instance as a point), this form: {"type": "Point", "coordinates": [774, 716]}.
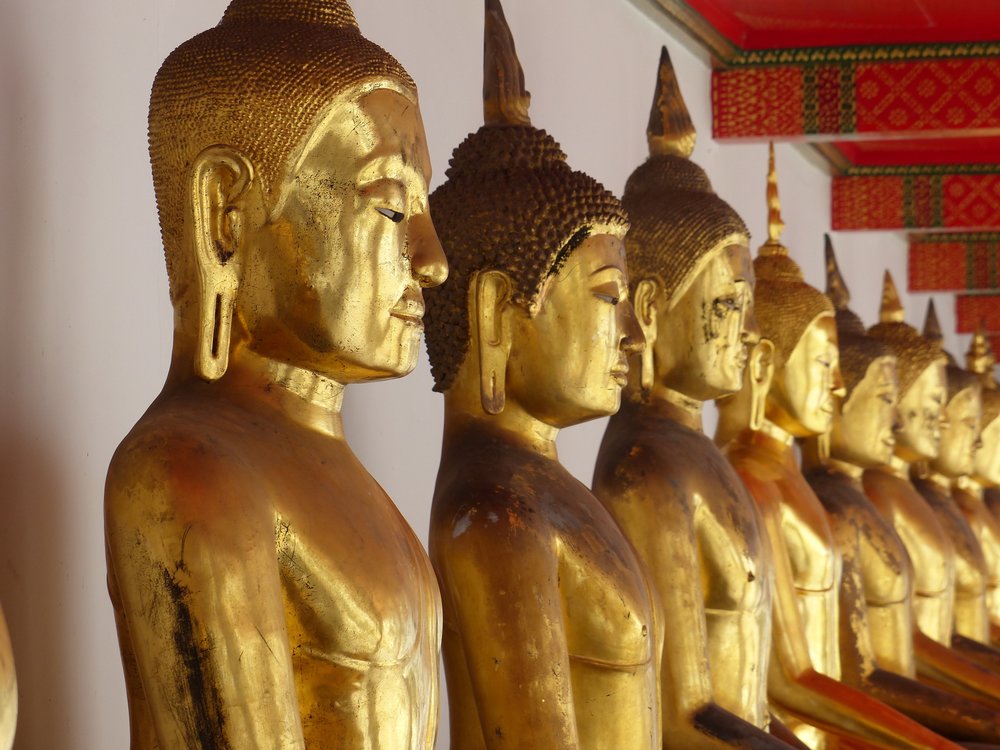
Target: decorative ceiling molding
{"type": "Point", "coordinates": [837, 94]}
{"type": "Point", "coordinates": [918, 198]}
{"type": "Point", "coordinates": [954, 262]}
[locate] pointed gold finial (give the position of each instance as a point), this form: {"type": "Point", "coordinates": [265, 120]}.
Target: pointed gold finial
{"type": "Point", "coordinates": [980, 359]}
{"type": "Point", "coordinates": [836, 288]}
{"type": "Point", "coordinates": [505, 100]}
{"type": "Point", "coordinates": [892, 309]}
{"type": "Point", "coordinates": [775, 226]}
{"type": "Point", "coordinates": [670, 130]}
{"type": "Point", "coordinates": [932, 326]}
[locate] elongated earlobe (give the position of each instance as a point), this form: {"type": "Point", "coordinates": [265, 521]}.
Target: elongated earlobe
{"type": "Point", "coordinates": [644, 302]}
{"type": "Point", "coordinates": [761, 370]}
{"type": "Point", "coordinates": [221, 178]}
{"type": "Point", "coordinates": [492, 293]}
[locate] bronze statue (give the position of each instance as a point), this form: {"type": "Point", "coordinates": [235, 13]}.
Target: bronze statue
{"type": "Point", "coordinates": [803, 680]}
{"type": "Point", "coordinates": [267, 591]}
{"type": "Point", "coordinates": [551, 637]}
{"type": "Point", "coordinates": [668, 486]}
{"type": "Point", "coordinates": [876, 603]}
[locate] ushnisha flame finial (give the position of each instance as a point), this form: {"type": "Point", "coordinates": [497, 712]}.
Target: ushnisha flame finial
{"type": "Point", "coordinates": [836, 287]}
{"type": "Point", "coordinates": [505, 99]}
{"type": "Point", "coordinates": [775, 226]}
{"type": "Point", "coordinates": [891, 310]}
{"type": "Point", "coordinates": [932, 326]}
{"type": "Point", "coordinates": [980, 358]}
{"type": "Point", "coordinates": [670, 130]}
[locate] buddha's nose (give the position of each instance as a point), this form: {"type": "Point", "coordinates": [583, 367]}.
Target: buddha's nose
{"type": "Point", "coordinates": [633, 341]}
{"type": "Point", "coordinates": [427, 261]}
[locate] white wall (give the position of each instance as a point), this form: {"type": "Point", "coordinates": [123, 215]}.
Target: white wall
{"type": "Point", "coordinates": [86, 320]}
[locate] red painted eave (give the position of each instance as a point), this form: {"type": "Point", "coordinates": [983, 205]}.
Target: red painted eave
{"type": "Point", "coordinates": [782, 24]}
{"type": "Point", "coordinates": [935, 151]}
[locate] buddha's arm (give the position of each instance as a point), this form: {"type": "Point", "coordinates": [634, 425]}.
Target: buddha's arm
{"type": "Point", "coordinates": [944, 666]}
{"type": "Point", "coordinates": [952, 715]}
{"type": "Point", "coordinates": [657, 518]}
{"type": "Point", "coordinates": [814, 697]}
{"type": "Point", "coordinates": [980, 653]}
{"type": "Point", "coordinates": [501, 582]}
{"type": "Point", "coordinates": [200, 593]}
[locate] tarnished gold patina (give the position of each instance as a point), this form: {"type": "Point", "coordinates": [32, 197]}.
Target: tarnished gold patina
{"type": "Point", "coordinates": [668, 486]}
{"type": "Point", "coordinates": [267, 592]}
{"type": "Point", "coordinates": [551, 635]}
{"type": "Point", "coordinates": [805, 666]}
{"type": "Point", "coordinates": [8, 688]}
{"type": "Point", "coordinates": [876, 619]}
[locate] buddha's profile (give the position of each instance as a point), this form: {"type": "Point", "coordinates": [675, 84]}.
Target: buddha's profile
{"type": "Point", "coordinates": [934, 479]}
{"type": "Point", "coordinates": [668, 486]}
{"type": "Point", "coordinates": [876, 600]}
{"type": "Point", "coordinates": [970, 492]}
{"type": "Point", "coordinates": [551, 639]}
{"type": "Point", "coordinates": [920, 368]}
{"type": "Point", "coordinates": [803, 679]}
{"type": "Point", "coordinates": [267, 591]}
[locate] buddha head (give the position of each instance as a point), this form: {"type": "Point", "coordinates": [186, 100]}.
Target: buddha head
{"type": "Point", "coordinates": [290, 167]}
{"type": "Point", "coordinates": [863, 427]}
{"type": "Point", "coordinates": [799, 321]}
{"type": "Point", "coordinates": [920, 370]}
{"type": "Point", "coordinates": [962, 409]}
{"type": "Point", "coordinates": [980, 360]}
{"type": "Point", "coordinates": [536, 312]}
{"type": "Point", "coordinates": [689, 259]}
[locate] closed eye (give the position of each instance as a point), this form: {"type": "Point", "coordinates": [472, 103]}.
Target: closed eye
{"type": "Point", "coordinates": [394, 216]}
{"type": "Point", "coordinates": [609, 298]}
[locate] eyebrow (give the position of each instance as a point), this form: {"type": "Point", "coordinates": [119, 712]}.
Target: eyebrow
{"type": "Point", "coordinates": [602, 269]}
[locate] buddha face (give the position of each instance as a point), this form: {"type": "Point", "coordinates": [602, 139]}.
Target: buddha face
{"type": "Point", "coordinates": [987, 459]}
{"type": "Point", "coordinates": [801, 399]}
{"type": "Point", "coordinates": [863, 430]}
{"type": "Point", "coordinates": [703, 337]}
{"type": "Point", "coordinates": [920, 411]}
{"type": "Point", "coordinates": [334, 284]}
{"type": "Point", "coordinates": [568, 362]}
{"type": "Point", "coordinates": [959, 434]}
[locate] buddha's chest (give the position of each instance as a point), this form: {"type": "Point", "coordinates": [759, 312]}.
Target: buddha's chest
{"type": "Point", "coordinates": [970, 565]}
{"type": "Point", "coordinates": [606, 601]}
{"type": "Point", "coordinates": [807, 535]}
{"type": "Point", "coordinates": [358, 585]}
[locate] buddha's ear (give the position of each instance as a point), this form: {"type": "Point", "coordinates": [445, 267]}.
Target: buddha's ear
{"type": "Point", "coordinates": [492, 294]}
{"type": "Point", "coordinates": [221, 179]}
{"type": "Point", "coordinates": [645, 303]}
{"type": "Point", "coordinates": [760, 373]}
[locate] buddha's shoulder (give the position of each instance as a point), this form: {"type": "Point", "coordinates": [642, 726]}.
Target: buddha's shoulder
{"type": "Point", "coordinates": [174, 461]}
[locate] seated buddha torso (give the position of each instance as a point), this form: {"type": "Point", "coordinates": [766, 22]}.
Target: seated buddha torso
{"type": "Point", "coordinates": [326, 548]}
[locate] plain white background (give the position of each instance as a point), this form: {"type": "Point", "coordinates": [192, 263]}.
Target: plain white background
{"type": "Point", "coordinates": [86, 320]}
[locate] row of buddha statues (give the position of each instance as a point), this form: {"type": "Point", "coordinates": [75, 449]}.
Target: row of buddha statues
{"type": "Point", "coordinates": [702, 593]}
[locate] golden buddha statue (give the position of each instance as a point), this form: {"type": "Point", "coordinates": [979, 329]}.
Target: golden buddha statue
{"type": "Point", "coordinates": [803, 679]}
{"type": "Point", "coordinates": [668, 486]}
{"type": "Point", "coordinates": [267, 592]}
{"type": "Point", "coordinates": [8, 688]}
{"type": "Point", "coordinates": [970, 492]}
{"type": "Point", "coordinates": [876, 601]}
{"type": "Point", "coordinates": [551, 639]}
{"type": "Point", "coordinates": [920, 367]}
{"type": "Point", "coordinates": [934, 478]}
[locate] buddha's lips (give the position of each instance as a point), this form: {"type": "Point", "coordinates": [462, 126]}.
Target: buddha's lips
{"type": "Point", "coordinates": [410, 308]}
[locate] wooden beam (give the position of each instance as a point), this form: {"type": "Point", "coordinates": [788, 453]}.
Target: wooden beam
{"type": "Point", "coordinates": [968, 261]}
{"type": "Point", "coordinates": [859, 92]}
{"type": "Point", "coordinates": [960, 198]}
